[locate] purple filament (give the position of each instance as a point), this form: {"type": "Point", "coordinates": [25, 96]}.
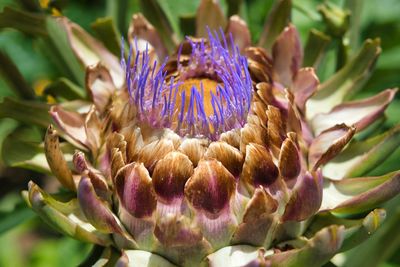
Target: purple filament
{"type": "Point", "coordinates": [155, 94]}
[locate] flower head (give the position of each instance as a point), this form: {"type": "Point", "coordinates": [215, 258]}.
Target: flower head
{"type": "Point", "coordinates": [206, 93]}
{"type": "Point", "coordinates": [222, 149]}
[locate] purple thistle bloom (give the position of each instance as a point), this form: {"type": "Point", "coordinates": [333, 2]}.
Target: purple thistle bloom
{"type": "Point", "coordinates": [210, 95]}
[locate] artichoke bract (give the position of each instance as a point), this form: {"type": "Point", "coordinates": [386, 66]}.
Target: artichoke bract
{"type": "Point", "coordinates": [217, 154]}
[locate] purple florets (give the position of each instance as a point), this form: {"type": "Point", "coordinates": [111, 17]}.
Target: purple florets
{"type": "Point", "coordinates": [156, 94]}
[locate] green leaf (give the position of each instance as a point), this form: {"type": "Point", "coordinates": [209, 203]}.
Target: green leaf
{"type": "Point", "coordinates": [14, 217]}
{"type": "Point", "coordinates": [381, 245]}
{"type": "Point", "coordinates": [173, 10]}
{"type": "Point", "coordinates": [307, 9]}
{"type": "Point", "coordinates": [63, 51]}
{"type": "Point", "coordinates": [347, 81]}
{"type": "Point", "coordinates": [336, 19]}
{"type": "Point", "coordinates": [26, 22]}
{"type": "Point", "coordinates": [316, 252]}
{"type": "Point", "coordinates": [6, 127]}
{"type": "Point", "coordinates": [315, 47]}
{"type": "Point", "coordinates": [390, 164]}
{"type": "Point", "coordinates": [356, 230]}
{"type": "Point", "coordinates": [374, 128]}
{"type": "Point", "coordinates": [107, 32]}
{"type": "Point", "coordinates": [278, 19]}
{"type": "Point", "coordinates": [358, 234]}
{"type": "Point", "coordinates": [19, 150]}
{"type": "Point", "coordinates": [63, 251]}
{"type": "Point", "coordinates": [28, 112]}
{"type": "Point", "coordinates": [65, 89]}
{"type": "Point", "coordinates": [23, 148]}
{"type": "Point", "coordinates": [154, 13]}
{"type": "Point", "coordinates": [355, 7]}
{"type": "Point", "coordinates": [117, 10]}
{"type": "Point", "coordinates": [11, 73]}
{"type": "Point", "coordinates": [255, 15]}
{"type": "Point", "coordinates": [180, 15]}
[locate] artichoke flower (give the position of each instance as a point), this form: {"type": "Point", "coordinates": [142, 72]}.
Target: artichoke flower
{"type": "Point", "coordinates": [217, 154]}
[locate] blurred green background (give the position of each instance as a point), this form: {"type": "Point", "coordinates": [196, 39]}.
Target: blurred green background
{"type": "Point", "coordinates": [26, 241]}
